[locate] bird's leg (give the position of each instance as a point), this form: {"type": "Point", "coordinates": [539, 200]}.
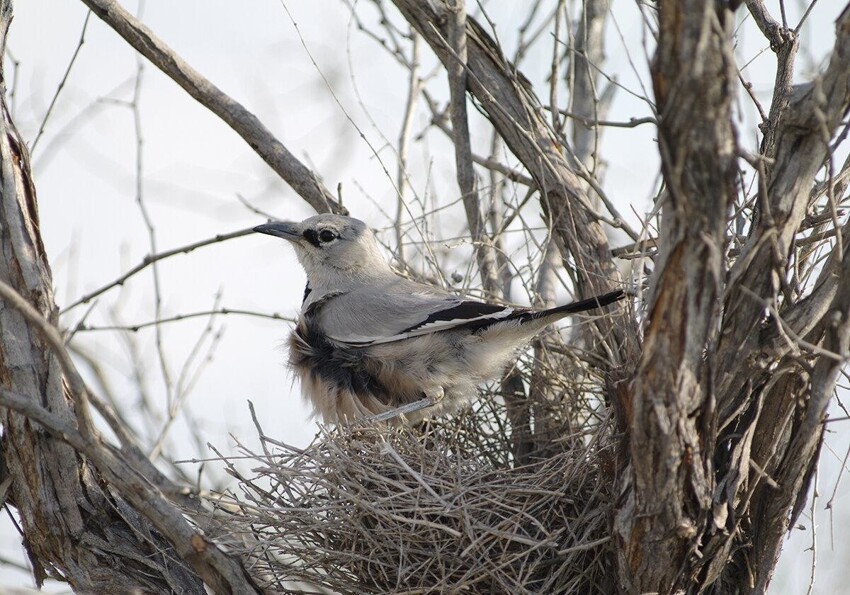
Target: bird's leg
{"type": "Point", "coordinates": [432, 397]}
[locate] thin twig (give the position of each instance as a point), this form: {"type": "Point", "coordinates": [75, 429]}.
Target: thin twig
{"type": "Point", "coordinates": [414, 88]}
{"type": "Point", "coordinates": [151, 259]}
{"type": "Point", "coordinates": [180, 317]}
{"type": "Point", "coordinates": [304, 181]}
{"type": "Point", "coordinates": [631, 123]}
{"type": "Point", "coordinates": [61, 85]}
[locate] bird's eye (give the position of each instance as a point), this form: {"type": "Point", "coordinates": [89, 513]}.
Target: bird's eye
{"type": "Point", "coordinates": [326, 235]}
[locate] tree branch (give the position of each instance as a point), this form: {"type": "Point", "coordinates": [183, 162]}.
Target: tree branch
{"type": "Point", "coordinates": [75, 383]}
{"type": "Point", "coordinates": [303, 180]}
{"type": "Point", "coordinates": [670, 474]}
{"type": "Point", "coordinates": [151, 259]}
{"type": "Point", "coordinates": [457, 73]}
{"type": "Point", "coordinates": [505, 96]}
{"type": "Point", "coordinates": [222, 573]}
{"type": "Point", "coordinates": [89, 519]}
{"type": "Point", "coordinates": [801, 148]}
{"type": "Point", "coordinates": [794, 456]}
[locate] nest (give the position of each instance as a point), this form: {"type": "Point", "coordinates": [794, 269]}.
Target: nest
{"type": "Point", "coordinates": [425, 510]}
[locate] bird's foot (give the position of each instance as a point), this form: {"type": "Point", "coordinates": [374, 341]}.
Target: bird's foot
{"type": "Point", "coordinates": [432, 397]}
{"type": "Point", "coordinates": [435, 395]}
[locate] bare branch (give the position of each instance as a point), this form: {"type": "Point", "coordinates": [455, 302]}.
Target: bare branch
{"type": "Point", "coordinates": [414, 89]}
{"type": "Point", "coordinates": [588, 55]}
{"type": "Point", "coordinates": [670, 473]}
{"type": "Point", "coordinates": [75, 383]}
{"type": "Point", "coordinates": [463, 147]}
{"type": "Point", "coordinates": [304, 181]}
{"type": "Point", "coordinates": [150, 259]}
{"type": "Point", "coordinates": [219, 571]}
{"type": "Point", "coordinates": [800, 151]}
{"type": "Point", "coordinates": [589, 122]}
{"type": "Point", "coordinates": [107, 508]}
{"type": "Point", "coordinates": [134, 327]}
{"type": "Point", "coordinates": [800, 458]}
{"type": "Point", "coordinates": [61, 84]}
{"type": "Point", "coordinates": [785, 43]}
{"type": "Point", "coordinates": [515, 113]}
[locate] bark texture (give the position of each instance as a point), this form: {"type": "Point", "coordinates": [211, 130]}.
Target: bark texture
{"type": "Point", "coordinates": [667, 489]}
{"type": "Point", "coordinates": [720, 397]}
{"type": "Point", "coordinates": [92, 516]}
{"type": "Point", "coordinates": [74, 528]}
{"type": "Point", "coordinates": [704, 410]}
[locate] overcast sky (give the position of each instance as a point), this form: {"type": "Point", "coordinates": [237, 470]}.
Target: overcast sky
{"type": "Point", "coordinates": [194, 169]}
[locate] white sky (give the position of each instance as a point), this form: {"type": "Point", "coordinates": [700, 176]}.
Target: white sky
{"type": "Point", "coordinates": [195, 167]}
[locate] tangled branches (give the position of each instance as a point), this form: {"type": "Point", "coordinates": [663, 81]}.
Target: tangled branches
{"type": "Point", "coordinates": [382, 510]}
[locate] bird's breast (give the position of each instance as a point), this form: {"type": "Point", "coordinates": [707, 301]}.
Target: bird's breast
{"type": "Point", "coordinates": [343, 381]}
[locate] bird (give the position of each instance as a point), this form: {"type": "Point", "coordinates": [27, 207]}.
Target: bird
{"type": "Point", "coordinates": [370, 343]}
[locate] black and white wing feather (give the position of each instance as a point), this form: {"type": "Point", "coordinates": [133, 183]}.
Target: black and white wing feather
{"type": "Point", "coordinates": [468, 314]}
{"type": "Point", "coordinates": [401, 309]}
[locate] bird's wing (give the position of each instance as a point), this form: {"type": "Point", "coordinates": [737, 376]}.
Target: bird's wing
{"type": "Point", "coordinates": [400, 310]}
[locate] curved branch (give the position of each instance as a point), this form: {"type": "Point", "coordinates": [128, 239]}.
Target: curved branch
{"type": "Point", "coordinates": [222, 573]}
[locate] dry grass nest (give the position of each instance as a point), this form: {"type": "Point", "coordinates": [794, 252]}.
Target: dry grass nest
{"type": "Point", "coordinates": [379, 510]}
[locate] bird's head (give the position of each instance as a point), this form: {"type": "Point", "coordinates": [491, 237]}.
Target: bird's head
{"type": "Point", "coordinates": [331, 246]}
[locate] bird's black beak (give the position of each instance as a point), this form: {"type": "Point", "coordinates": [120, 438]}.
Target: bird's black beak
{"type": "Point", "coordinates": [288, 230]}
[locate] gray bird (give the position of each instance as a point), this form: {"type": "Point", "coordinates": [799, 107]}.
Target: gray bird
{"type": "Point", "coordinates": [370, 343]}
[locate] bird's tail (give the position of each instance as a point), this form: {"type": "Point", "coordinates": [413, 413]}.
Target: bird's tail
{"type": "Point", "coordinates": [579, 306]}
